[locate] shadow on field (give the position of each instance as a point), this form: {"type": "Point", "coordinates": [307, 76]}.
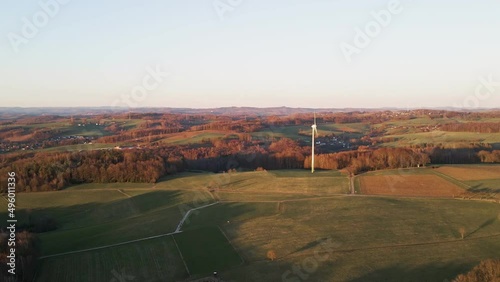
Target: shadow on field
{"type": "Point", "coordinates": [484, 225]}
{"type": "Point", "coordinates": [224, 215]}
{"type": "Point", "coordinates": [309, 245]}
{"type": "Point", "coordinates": [476, 189]}
{"type": "Point", "coordinates": [444, 273]}
{"type": "Point", "coordinates": [154, 213]}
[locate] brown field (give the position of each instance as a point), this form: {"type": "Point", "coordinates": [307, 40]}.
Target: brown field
{"type": "Point", "coordinates": [471, 173]}
{"type": "Point", "coordinates": [410, 185]}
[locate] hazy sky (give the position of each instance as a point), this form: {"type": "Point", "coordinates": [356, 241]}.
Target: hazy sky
{"type": "Point", "coordinates": [249, 53]}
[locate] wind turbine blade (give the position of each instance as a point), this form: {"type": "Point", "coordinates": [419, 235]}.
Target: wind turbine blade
{"type": "Point", "coordinates": [314, 117]}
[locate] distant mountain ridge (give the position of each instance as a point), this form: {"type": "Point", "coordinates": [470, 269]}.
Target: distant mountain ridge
{"type": "Point", "coordinates": [265, 111]}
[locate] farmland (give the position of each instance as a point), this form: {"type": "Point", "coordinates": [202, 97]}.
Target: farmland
{"type": "Point", "coordinates": [292, 213]}
{"type": "Point", "coordinates": [412, 185]}
{"type": "Point", "coordinates": [467, 173]}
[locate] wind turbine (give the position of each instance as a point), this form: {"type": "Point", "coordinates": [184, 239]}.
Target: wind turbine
{"type": "Point", "coordinates": [314, 132]}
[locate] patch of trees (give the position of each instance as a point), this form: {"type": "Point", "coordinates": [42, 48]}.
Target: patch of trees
{"type": "Point", "coordinates": [366, 160]}
{"type": "Point", "coordinates": [54, 171]}
{"type": "Point", "coordinates": [9, 132]}
{"type": "Point", "coordinates": [238, 126]}
{"type": "Point", "coordinates": [479, 127]}
{"type": "Point", "coordinates": [489, 157]}
{"type": "Point", "coordinates": [135, 134]}
{"type": "Point", "coordinates": [441, 155]}
{"type": "Point", "coordinates": [487, 270]}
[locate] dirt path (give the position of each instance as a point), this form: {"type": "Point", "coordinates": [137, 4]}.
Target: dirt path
{"type": "Point", "coordinates": [179, 226]}
{"type": "Point", "coordinates": [351, 184]}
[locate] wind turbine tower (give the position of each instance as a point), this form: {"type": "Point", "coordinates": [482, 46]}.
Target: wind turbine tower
{"type": "Point", "coordinates": [314, 132]}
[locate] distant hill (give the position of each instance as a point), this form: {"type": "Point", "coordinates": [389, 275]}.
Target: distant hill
{"type": "Point", "coordinates": [281, 111]}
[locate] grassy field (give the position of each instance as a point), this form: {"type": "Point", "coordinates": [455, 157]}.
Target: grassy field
{"type": "Point", "coordinates": [389, 237]}
{"type": "Point", "coordinates": [471, 181]}
{"type": "Point", "coordinates": [284, 182]}
{"type": "Point", "coordinates": [80, 147]}
{"type": "Point", "coordinates": [308, 221]}
{"type": "Point", "coordinates": [183, 138]}
{"type": "Point", "coordinates": [292, 132]}
{"type": "Point", "coordinates": [205, 250]}
{"type": "Point", "coordinates": [467, 173]}
{"type": "Point", "coordinates": [411, 185]}
{"type": "Point", "coordinates": [481, 181]}
{"type": "Point", "coordinates": [436, 137]}
{"type": "Point", "coordinates": [152, 260]}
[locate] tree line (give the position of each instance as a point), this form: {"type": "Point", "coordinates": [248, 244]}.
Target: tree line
{"type": "Point", "coordinates": [366, 160]}
{"type": "Point", "coordinates": [45, 171]}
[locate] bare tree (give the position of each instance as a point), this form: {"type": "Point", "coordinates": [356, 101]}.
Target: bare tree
{"type": "Point", "coordinates": [462, 232]}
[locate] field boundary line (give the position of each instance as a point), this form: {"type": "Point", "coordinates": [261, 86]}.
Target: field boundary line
{"type": "Point", "coordinates": [230, 243]}
{"type": "Point", "coordinates": [351, 185]}
{"type": "Point", "coordinates": [109, 246]}
{"type": "Point", "coordinates": [397, 246]}
{"type": "Point", "coordinates": [404, 197]}
{"type": "Point", "coordinates": [285, 201]}
{"type": "Point", "coordinates": [121, 191]}
{"type": "Point", "coordinates": [182, 257]}
{"type": "Point", "coordinates": [452, 179]}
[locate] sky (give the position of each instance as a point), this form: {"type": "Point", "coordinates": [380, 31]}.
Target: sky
{"type": "Point", "coordinates": [259, 53]}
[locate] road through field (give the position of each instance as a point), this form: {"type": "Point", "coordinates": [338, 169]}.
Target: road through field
{"type": "Point", "coordinates": [179, 226]}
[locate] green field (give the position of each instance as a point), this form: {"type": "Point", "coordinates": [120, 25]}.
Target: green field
{"type": "Point", "coordinates": [309, 221]}
{"type": "Point", "coordinates": [353, 130]}
{"type": "Point", "coordinates": [152, 260]}
{"type": "Point", "coordinates": [191, 138]}
{"type": "Point", "coordinates": [369, 237]}
{"type": "Point", "coordinates": [436, 137]}
{"type": "Point", "coordinates": [205, 250]}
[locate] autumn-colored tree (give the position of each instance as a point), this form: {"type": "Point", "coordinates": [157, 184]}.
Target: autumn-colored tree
{"type": "Point", "coordinates": [488, 270]}
{"type": "Point", "coordinates": [271, 255]}
{"type": "Point", "coordinates": [462, 232]}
